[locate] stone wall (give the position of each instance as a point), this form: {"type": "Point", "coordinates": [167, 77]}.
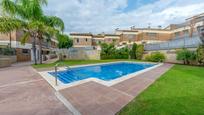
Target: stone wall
{"type": "Point", "coordinates": [170, 55]}
{"type": "Point", "coordinates": [5, 62]}
{"type": "Point", "coordinates": [13, 59]}
{"type": "Point", "coordinates": [79, 54]}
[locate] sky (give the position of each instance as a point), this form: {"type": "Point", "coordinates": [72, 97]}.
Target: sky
{"type": "Point", "coordinates": [97, 16]}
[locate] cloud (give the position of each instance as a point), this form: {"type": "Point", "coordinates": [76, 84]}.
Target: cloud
{"type": "Point", "coordinates": [105, 15]}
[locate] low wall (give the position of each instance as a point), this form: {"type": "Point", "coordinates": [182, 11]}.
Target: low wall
{"type": "Point", "coordinates": [5, 62]}
{"type": "Point", "coordinates": [79, 54]}
{"type": "Point", "coordinates": [170, 55]}
{"type": "Point", "coordinates": [13, 59]}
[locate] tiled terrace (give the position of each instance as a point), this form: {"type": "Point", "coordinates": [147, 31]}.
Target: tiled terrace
{"type": "Point", "coordinates": [24, 92]}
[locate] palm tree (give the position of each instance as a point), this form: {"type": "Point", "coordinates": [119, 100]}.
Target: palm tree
{"type": "Point", "coordinates": [50, 25]}
{"type": "Point", "coordinates": [64, 41]}
{"type": "Point", "coordinates": [31, 19]}
{"type": "Point", "coordinates": [19, 15]}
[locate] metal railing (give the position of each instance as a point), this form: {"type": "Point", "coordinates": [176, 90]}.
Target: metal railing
{"type": "Point", "coordinates": [56, 70]}
{"type": "Point", "coordinates": [174, 44]}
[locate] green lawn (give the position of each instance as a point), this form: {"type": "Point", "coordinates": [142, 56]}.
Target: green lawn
{"type": "Point", "coordinates": [78, 62]}
{"type": "Point", "coordinates": [180, 91]}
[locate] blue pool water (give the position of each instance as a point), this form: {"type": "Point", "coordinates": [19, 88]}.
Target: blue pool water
{"type": "Point", "coordinates": [105, 72]}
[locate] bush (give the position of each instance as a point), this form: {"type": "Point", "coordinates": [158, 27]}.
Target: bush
{"type": "Point", "coordinates": [122, 53]}
{"type": "Point", "coordinates": [108, 51]}
{"type": "Point", "coordinates": [148, 57]}
{"type": "Point", "coordinates": [200, 54]}
{"type": "Point", "coordinates": [186, 56]}
{"type": "Point", "coordinates": [155, 57]}
{"type": "Point", "coordinates": [7, 51]}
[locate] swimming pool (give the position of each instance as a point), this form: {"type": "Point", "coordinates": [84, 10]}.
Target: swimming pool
{"type": "Point", "coordinates": [106, 72]}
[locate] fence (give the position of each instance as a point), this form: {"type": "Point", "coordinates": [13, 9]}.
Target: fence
{"type": "Point", "coordinates": [175, 43]}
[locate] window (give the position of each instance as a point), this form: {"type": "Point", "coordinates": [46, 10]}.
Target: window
{"type": "Point", "coordinates": [86, 39]}
{"type": "Point", "coordinates": [77, 40]}
{"type": "Point", "coordinates": [25, 51]}
{"type": "Point", "coordinates": [185, 32]}
{"type": "Point", "coordinates": [177, 34]}
{"type": "Point", "coordinates": [151, 35]}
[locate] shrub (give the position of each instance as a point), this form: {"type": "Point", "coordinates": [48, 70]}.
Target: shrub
{"type": "Point", "coordinates": [155, 57]}
{"type": "Point", "coordinates": [148, 57]}
{"type": "Point", "coordinates": [186, 56]}
{"type": "Point", "coordinates": [108, 51]}
{"type": "Point", "coordinates": [7, 51]}
{"type": "Point", "coordinates": [200, 54]}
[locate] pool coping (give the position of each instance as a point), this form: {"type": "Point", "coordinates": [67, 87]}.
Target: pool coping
{"type": "Point", "coordinates": [51, 80]}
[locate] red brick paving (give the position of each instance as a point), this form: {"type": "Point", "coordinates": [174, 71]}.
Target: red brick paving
{"type": "Point", "coordinates": [34, 98]}
{"type": "Point", "coordinates": [95, 99]}
{"type": "Point", "coordinates": [91, 98]}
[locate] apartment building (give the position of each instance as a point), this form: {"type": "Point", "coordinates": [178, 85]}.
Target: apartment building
{"type": "Point", "coordinates": [189, 28]}
{"type": "Point", "coordinates": [25, 52]}
{"type": "Point", "coordinates": [91, 40]}
{"type": "Point", "coordinates": [143, 35]}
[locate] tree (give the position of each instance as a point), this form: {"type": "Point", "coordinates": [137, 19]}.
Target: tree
{"type": "Point", "coordinates": [22, 13]}
{"type": "Point", "coordinates": [139, 51]}
{"type": "Point", "coordinates": [64, 41]}
{"type": "Point", "coordinates": [36, 25]}
{"type": "Point", "coordinates": [133, 51]}
{"type": "Point", "coordinates": [192, 25]}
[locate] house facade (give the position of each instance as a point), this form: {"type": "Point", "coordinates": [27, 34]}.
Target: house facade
{"type": "Point", "coordinates": [91, 40]}
{"type": "Point", "coordinates": [24, 52]}
{"type": "Point", "coordinates": [143, 35]}
{"type": "Point", "coordinates": [189, 28]}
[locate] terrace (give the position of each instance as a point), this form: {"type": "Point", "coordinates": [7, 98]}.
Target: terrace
{"type": "Point", "coordinates": [157, 71]}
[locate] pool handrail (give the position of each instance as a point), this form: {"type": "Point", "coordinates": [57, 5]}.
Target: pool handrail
{"type": "Point", "coordinates": [56, 66]}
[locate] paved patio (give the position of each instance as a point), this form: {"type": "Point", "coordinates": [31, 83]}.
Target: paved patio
{"type": "Point", "coordinates": [24, 92]}
{"type": "Point", "coordinates": [92, 98]}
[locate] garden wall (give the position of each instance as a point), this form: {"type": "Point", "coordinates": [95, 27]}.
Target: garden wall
{"type": "Point", "coordinates": [170, 55]}
{"type": "Point", "coordinates": [5, 62]}
{"type": "Point", "coordinates": [13, 59]}
{"type": "Point", "coordinates": [79, 54]}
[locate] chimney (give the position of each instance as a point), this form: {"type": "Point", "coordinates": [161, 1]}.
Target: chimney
{"type": "Point", "coordinates": [149, 25]}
